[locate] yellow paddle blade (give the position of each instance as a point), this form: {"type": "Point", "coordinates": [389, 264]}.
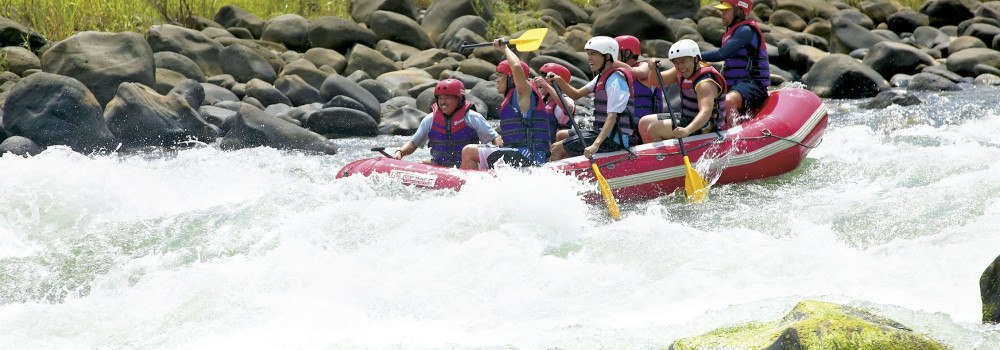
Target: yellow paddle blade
{"type": "Point", "coordinates": [609, 198]}
{"type": "Point", "coordinates": [694, 184]}
{"type": "Point", "coordinates": [530, 40]}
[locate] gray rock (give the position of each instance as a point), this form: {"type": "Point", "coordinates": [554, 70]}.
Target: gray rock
{"type": "Point", "coordinates": [322, 56]}
{"type": "Point", "coordinates": [677, 9]}
{"type": "Point", "coordinates": [361, 10]}
{"type": "Point", "coordinates": [840, 76]}
{"type": "Point", "coordinates": [487, 92]}
{"type": "Point", "coordinates": [308, 72]}
{"type": "Point", "coordinates": [266, 93]}
{"type": "Point", "coordinates": [370, 61]}
{"type": "Point", "coordinates": [880, 10]}
{"type": "Point", "coordinates": [945, 12]}
{"type": "Point", "coordinates": [191, 43]}
{"type": "Point", "coordinates": [787, 19]}
{"type": "Point", "coordinates": [215, 33]}
{"type": "Point", "coordinates": [341, 122]}
{"type": "Point", "coordinates": [20, 59]}
{"type": "Point", "coordinates": [472, 29]}
{"type": "Point", "coordinates": [983, 31]}
{"type": "Point", "coordinates": [571, 13]}
{"type": "Point", "coordinates": [889, 58]}
{"type": "Point", "coordinates": [855, 16]}
{"type": "Point", "coordinates": [15, 34]}
{"type": "Point", "coordinates": [264, 49]}
{"type": "Point", "coordinates": [140, 117]}
{"type": "Point", "coordinates": [244, 65]}
{"type": "Point", "coordinates": [166, 80]}
{"type": "Point", "coordinates": [251, 127]}
{"type": "Point", "coordinates": [981, 69]}
{"type": "Point", "coordinates": [234, 16]}
{"type": "Point", "coordinates": [634, 17]}
{"type": "Point", "coordinates": [53, 109]}
{"type": "Point", "coordinates": [290, 30]}
{"type": "Point", "coordinates": [848, 36]}
{"type": "Point", "coordinates": [929, 37]}
{"type": "Point", "coordinates": [358, 76]}
{"type": "Point", "coordinates": [377, 89]}
{"type": "Point", "coordinates": [930, 82]}
{"type": "Point", "coordinates": [191, 91]}
{"type": "Point", "coordinates": [477, 68]}
{"type": "Point", "coordinates": [964, 61]}
{"type": "Point", "coordinates": [887, 98]}
{"type": "Point", "coordinates": [395, 51]}
{"type": "Point", "coordinates": [442, 13]}
{"type": "Point", "coordinates": [215, 94]}
{"type": "Point", "coordinates": [298, 91]}
{"type": "Point", "coordinates": [900, 80]}
{"type": "Point", "coordinates": [989, 290]}
{"type": "Point", "coordinates": [711, 29]}
{"type": "Point", "coordinates": [400, 81]}
{"type": "Point", "coordinates": [989, 79]}
{"type": "Point", "coordinates": [101, 61]}
{"type": "Point", "coordinates": [942, 72]}
{"type": "Point", "coordinates": [401, 121]}
{"type": "Point", "coordinates": [336, 85]}
{"type": "Point", "coordinates": [178, 63]}
{"type": "Point", "coordinates": [238, 32]}
{"type": "Point", "coordinates": [21, 146]}
{"type": "Point", "coordinates": [216, 115]}
{"type": "Point", "coordinates": [339, 34]}
{"type": "Point", "coordinates": [399, 28]}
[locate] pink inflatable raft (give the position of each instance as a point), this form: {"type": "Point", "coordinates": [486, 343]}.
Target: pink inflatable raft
{"type": "Point", "coordinates": [774, 142]}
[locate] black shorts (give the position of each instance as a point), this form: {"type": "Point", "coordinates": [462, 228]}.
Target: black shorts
{"type": "Point", "coordinates": [682, 121]}
{"type": "Point", "coordinates": [752, 92]}
{"type": "Point", "coordinates": [574, 148]}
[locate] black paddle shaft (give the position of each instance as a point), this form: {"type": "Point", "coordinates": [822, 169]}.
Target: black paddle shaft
{"type": "Point", "coordinates": [572, 119]}
{"type": "Point", "coordinates": [466, 46]}
{"type": "Point", "coordinates": [381, 150]}
{"type": "Point", "coordinates": [666, 99]}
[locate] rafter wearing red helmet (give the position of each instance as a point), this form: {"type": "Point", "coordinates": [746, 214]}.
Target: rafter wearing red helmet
{"type": "Point", "coordinates": [648, 99]}
{"type": "Point", "coordinates": [451, 125]}
{"type": "Point", "coordinates": [744, 51]}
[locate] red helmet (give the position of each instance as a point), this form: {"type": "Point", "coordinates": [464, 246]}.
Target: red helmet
{"type": "Point", "coordinates": [745, 5]}
{"type": "Point", "coordinates": [453, 87]}
{"type": "Point", "coordinates": [504, 68]}
{"type": "Point", "coordinates": [628, 42]}
{"type": "Point", "coordinates": [557, 69]}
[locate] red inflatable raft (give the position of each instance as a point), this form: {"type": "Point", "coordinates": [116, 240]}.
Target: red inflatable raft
{"type": "Point", "coordinates": [774, 142]}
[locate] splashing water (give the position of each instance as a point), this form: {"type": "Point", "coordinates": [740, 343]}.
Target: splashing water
{"type": "Point", "coordinates": [895, 212]}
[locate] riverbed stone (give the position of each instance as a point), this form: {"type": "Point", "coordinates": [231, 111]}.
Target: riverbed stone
{"type": "Point", "coordinates": [399, 28]}
{"type": "Point", "coordinates": [53, 109]}
{"type": "Point", "coordinates": [20, 59]}
{"type": "Point", "coordinates": [989, 289]}
{"type": "Point", "coordinates": [341, 121]}
{"type": "Point", "coordinates": [889, 58]}
{"type": "Point", "coordinates": [906, 21]}
{"type": "Point", "coordinates": [336, 85]}
{"type": "Point", "coordinates": [841, 76]}
{"type": "Point", "coordinates": [191, 43]}
{"type": "Point", "coordinates": [442, 13]}
{"type": "Point", "coordinates": [235, 16]}
{"type": "Point", "coordinates": [291, 30]}
{"type": "Point", "coordinates": [16, 34]}
{"type": "Point", "coordinates": [20, 145]}
{"type": "Point", "coordinates": [244, 64]}
{"type": "Point", "coordinates": [102, 61]}
{"type": "Point", "coordinates": [815, 325]}
{"type": "Point", "coordinates": [139, 116]}
{"type": "Point", "coordinates": [251, 127]}
{"type": "Point", "coordinates": [339, 34]}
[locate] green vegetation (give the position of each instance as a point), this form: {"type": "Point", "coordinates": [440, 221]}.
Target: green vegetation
{"type": "Point", "coordinates": [58, 19]}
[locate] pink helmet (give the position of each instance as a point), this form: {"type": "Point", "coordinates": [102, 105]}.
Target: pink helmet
{"type": "Point", "coordinates": [453, 87]}
{"type": "Point", "coordinates": [557, 69]}
{"type": "Point", "coordinates": [745, 5]}
{"type": "Point", "coordinates": [504, 68]}
{"type": "Point", "coordinates": [628, 42]}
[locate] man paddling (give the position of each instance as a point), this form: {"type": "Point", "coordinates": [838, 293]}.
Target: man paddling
{"type": "Point", "coordinates": [702, 91]}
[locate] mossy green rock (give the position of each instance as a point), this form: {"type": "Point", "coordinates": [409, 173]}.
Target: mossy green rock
{"type": "Point", "coordinates": [814, 325]}
{"type": "Point", "coordinates": [989, 288]}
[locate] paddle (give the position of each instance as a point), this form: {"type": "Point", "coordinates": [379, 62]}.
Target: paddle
{"type": "Point", "coordinates": [694, 184]}
{"type": "Point", "coordinates": [531, 40]}
{"type": "Point", "coordinates": [381, 150]}
{"type": "Point", "coordinates": [602, 184]}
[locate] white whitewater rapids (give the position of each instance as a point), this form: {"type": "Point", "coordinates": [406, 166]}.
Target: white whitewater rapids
{"type": "Point", "coordinates": [897, 211]}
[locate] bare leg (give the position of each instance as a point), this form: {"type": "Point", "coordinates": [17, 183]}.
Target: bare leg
{"type": "Point", "coordinates": [470, 157]}
{"type": "Point", "coordinates": [562, 134]}
{"type": "Point", "coordinates": [557, 150]}
{"type": "Point", "coordinates": [660, 130]}
{"type": "Point", "coordinates": [734, 102]}
{"type": "Point", "coordinates": [644, 124]}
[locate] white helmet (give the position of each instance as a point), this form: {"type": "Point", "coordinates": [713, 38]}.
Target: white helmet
{"type": "Point", "coordinates": [606, 45]}
{"type": "Point", "coordinates": [684, 48]}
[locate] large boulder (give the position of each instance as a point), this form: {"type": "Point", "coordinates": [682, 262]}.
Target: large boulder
{"type": "Point", "coordinates": [361, 10]}
{"type": "Point", "coordinates": [244, 64]}
{"type": "Point", "coordinates": [633, 17]}
{"type": "Point", "coordinates": [879, 10]}
{"type": "Point", "coordinates": [337, 85]}
{"type": "Point", "coordinates": [815, 325]}
{"type": "Point", "coordinates": [470, 26]}
{"type": "Point", "coordinates": [807, 9]}
{"type": "Point", "coordinates": [180, 64]}
{"type": "Point", "coordinates": [22, 146]}
{"type": "Point", "coordinates": [948, 12]}
{"type": "Point", "coordinates": [890, 58]}
{"type": "Point", "coordinates": [191, 43]}
{"type": "Point", "coordinates": [402, 121]}
{"type": "Point", "coordinates": [101, 61]}
{"type": "Point", "coordinates": [53, 109]}
{"type": "Point", "coordinates": [20, 59]}
{"type": "Point", "coordinates": [15, 34]}
{"type": "Point", "coordinates": [307, 71]}
{"type": "Point", "coordinates": [234, 16]}
{"type": "Point", "coordinates": [341, 121]}
{"type": "Point", "coordinates": [929, 37]}
{"type": "Point", "coordinates": [266, 93]}
{"type": "Point", "coordinates": [983, 31]}
{"type": "Point", "coordinates": [251, 127]}
{"type": "Point", "coordinates": [989, 290]}
{"type": "Point", "coordinates": [930, 82]}
{"type": "Point", "coordinates": [678, 9]}
{"type": "Point", "coordinates": [906, 21]}
{"type": "Point", "coordinates": [964, 62]}
{"type": "Point", "coordinates": [290, 30]}
{"type": "Point", "coordinates": [139, 117]}
{"type": "Point", "coordinates": [571, 13]}
{"type": "Point", "coordinates": [366, 59]}
{"type": "Point", "coordinates": [399, 28]}
{"type": "Point", "coordinates": [298, 91]}
{"type": "Point", "coordinates": [441, 13]}
{"type": "Point", "coordinates": [841, 76]}
{"type": "Point", "coordinates": [339, 34]}
{"type": "Point", "coordinates": [264, 49]}
{"type": "Point", "coordinates": [399, 82]}
{"type": "Point", "coordinates": [322, 56]}
{"type": "Point", "coordinates": [848, 36]}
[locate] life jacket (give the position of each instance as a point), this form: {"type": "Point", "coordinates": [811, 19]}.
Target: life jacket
{"type": "Point", "coordinates": [648, 99]}
{"type": "Point", "coordinates": [627, 122]}
{"type": "Point", "coordinates": [689, 97]}
{"type": "Point", "coordinates": [534, 130]}
{"type": "Point", "coordinates": [747, 63]}
{"type": "Point", "coordinates": [449, 134]}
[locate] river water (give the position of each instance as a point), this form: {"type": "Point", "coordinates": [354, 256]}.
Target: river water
{"type": "Point", "coordinates": [897, 211]}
